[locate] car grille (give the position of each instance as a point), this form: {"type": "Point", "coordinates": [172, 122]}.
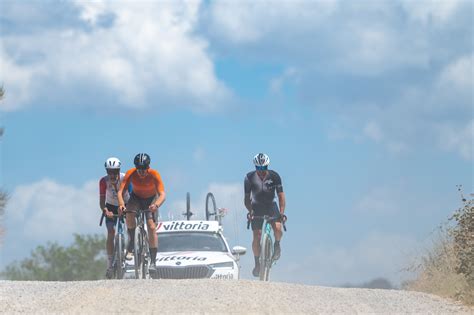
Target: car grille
{"type": "Point", "coordinates": [188, 272]}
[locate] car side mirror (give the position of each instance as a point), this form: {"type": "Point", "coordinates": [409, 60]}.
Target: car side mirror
{"type": "Point", "coordinates": [239, 250]}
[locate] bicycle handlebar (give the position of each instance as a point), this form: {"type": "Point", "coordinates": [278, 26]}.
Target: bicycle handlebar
{"type": "Point", "coordinates": [113, 215]}
{"type": "Point", "coordinates": [250, 218]}
{"type": "Point", "coordinates": [121, 216]}
{"type": "Point", "coordinates": [135, 211]}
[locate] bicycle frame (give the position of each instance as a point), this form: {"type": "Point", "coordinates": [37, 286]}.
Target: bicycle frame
{"type": "Point", "coordinates": [119, 250]}
{"type": "Point", "coordinates": [266, 244]}
{"type": "Point", "coordinates": [141, 245]}
{"type": "Point", "coordinates": [266, 248]}
{"type": "Point", "coordinates": [119, 242]}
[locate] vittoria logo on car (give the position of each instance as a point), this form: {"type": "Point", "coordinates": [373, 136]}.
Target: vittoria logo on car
{"type": "Point", "coordinates": [190, 258]}
{"type": "Point", "coordinates": [197, 226]}
{"type": "Point", "coordinates": [228, 276]}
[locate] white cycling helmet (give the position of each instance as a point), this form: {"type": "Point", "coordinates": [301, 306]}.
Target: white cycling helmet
{"type": "Point", "coordinates": [112, 164]}
{"type": "Point", "coordinates": [261, 160]}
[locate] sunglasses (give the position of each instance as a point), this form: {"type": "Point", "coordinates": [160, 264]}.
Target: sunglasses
{"type": "Point", "coordinates": [142, 170]}
{"type": "Point", "coordinates": [261, 168]}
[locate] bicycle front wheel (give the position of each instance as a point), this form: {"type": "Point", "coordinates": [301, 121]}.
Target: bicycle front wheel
{"type": "Point", "coordinates": [138, 253]}
{"type": "Point", "coordinates": [119, 256]}
{"type": "Point", "coordinates": [265, 256]}
{"type": "Point", "coordinates": [145, 255]}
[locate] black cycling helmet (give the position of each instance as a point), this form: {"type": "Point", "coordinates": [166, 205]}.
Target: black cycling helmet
{"type": "Point", "coordinates": [142, 161]}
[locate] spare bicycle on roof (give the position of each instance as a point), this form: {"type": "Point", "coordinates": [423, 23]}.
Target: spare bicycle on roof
{"type": "Point", "coordinates": [213, 213]}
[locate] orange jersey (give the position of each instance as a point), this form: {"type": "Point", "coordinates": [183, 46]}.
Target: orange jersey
{"type": "Point", "coordinates": [143, 187]}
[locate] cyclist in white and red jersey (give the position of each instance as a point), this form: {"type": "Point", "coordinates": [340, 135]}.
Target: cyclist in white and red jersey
{"type": "Point", "coordinates": [109, 186]}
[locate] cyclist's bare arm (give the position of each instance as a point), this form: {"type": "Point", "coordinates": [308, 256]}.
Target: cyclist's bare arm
{"type": "Point", "coordinates": [102, 203]}
{"type": "Point", "coordinates": [159, 201]}
{"type": "Point", "coordinates": [123, 186]}
{"type": "Point", "coordinates": [247, 202]}
{"type": "Point", "coordinates": [282, 202]}
{"type": "Point", "coordinates": [103, 207]}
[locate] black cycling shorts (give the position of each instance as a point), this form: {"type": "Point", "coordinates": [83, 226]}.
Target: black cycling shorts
{"type": "Point", "coordinates": [259, 210]}
{"type": "Point", "coordinates": [110, 223]}
{"type": "Point", "coordinates": [136, 203]}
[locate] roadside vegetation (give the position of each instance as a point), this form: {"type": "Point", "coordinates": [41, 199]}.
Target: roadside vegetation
{"type": "Point", "coordinates": [84, 259]}
{"type": "Point", "coordinates": [3, 194]}
{"type": "Point", "coordinates": [447, 268]}
{"type": "Point", "coordinates": [376, 283]}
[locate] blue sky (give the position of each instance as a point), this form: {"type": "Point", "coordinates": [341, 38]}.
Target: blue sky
{"type": "Point", "coordinates": [365, 109]}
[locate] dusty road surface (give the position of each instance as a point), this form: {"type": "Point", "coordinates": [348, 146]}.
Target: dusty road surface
{"type": "Point", "coordinates": [211, 296]}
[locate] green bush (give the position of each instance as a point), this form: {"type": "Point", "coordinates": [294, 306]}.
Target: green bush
{"type": "Point", "coordinates": [85, 259]}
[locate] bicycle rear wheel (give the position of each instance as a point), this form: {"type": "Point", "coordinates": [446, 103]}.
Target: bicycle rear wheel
{"type": "Point", "coordinates": [145, 254]}
{"type": "Point", "coordinates": [211, 209]}
{"type": "Point", "coordinates": [188, 206]}
{"type": "Point", "coordinates": [138, 253]}
{"type": "Point", "coordinates": [265, 256]}
{"type": "Point", "coordinates": [119, 256]}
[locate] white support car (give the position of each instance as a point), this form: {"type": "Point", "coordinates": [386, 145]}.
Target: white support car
{"type": "Point", "coordinates": [195, 249]}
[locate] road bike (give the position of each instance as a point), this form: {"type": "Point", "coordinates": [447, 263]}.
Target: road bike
{"type": "Point", "coordinates": [266, 243]}
{"type": "Point", "coordinates": [188, 214]}
{"type": "Point", "coordinates": [141, 252]}
{"type": "Point", "coordinates": [212, 212]}
{"type": "Point", "coordinates": [118, 263]}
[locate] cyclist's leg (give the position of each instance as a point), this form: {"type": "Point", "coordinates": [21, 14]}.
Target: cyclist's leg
{"type": "Point", "coordinates": [110, 237]}
{"type": "Point", "coordinates": [257, 233]}
{"type": "Point", "coordinates": [151, 224]}
{"type": "Point", "coordinates": [276, 225]}
{"type": "Point", "coordinates": [132, 205]}
{"type": "Point", "coordinates": [110, 224]}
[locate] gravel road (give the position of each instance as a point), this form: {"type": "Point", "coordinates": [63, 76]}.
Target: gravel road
{"type": "Point", "coordinates": [211, 296]}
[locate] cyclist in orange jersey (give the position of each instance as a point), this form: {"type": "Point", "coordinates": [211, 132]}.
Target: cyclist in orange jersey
{"type": "Point", "coordinates": [148, 192]}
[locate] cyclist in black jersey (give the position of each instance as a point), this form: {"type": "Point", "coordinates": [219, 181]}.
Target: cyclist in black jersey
{"type": "Point", "coordinates": [260, 187]}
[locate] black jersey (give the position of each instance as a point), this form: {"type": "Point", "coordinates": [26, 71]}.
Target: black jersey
{"type": "Point", "coordinates": [262, 191]}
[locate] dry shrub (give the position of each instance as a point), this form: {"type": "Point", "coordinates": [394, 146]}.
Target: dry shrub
{"type": "Point", "coordinates": [3, 202]}
{"type": "Point", "coordinates": [463, 244]}
{"type": "Point", "coordinates": [447, 268]}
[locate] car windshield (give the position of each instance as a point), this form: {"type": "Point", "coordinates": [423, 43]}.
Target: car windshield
{"type": "Point", "coordinates": [207, 242]}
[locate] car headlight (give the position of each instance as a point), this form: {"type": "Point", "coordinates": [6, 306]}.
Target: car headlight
{"type": "Point", "coordinates": [227, 264]}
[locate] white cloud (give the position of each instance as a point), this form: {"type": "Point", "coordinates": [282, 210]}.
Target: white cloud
{"type": "Point", "coordinates": [249, 21]}
{"type": "Point", "coordinates": [48, 211]}
{"type": "Point", "coordinates": [432, 11]}
{"type": "Point", "coordinates": [290, 75]}
{"type": "Point", "coordinates": [51, 211]}
{"type": "Point", "coordinates": [364, 38]}
{"type": "Point", "coordinates": [20, 82]}
{"type": "Point", "coordinates": [91, 11]}
{"type": "Point", "coordinates": [405, 61]}
{"type": "Point", "coordinates": [458, 138]}
{"type": "Point", "coordinates": [228, 196]}
{"type": "Point", "coordinates": [437, 113]}
{"type": "Point", "coordinates": [375, 255]}
{"type": "Point", "coordinates": [378, 201]}
{"type": "Point", "coordinates": [150, 52]}
{"type": "Point", "coordinates": [458, 78]}
{"type": "Point", "coordinates": [199, 154]}
{"type": "Point", "coordinates": [373, 131]}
